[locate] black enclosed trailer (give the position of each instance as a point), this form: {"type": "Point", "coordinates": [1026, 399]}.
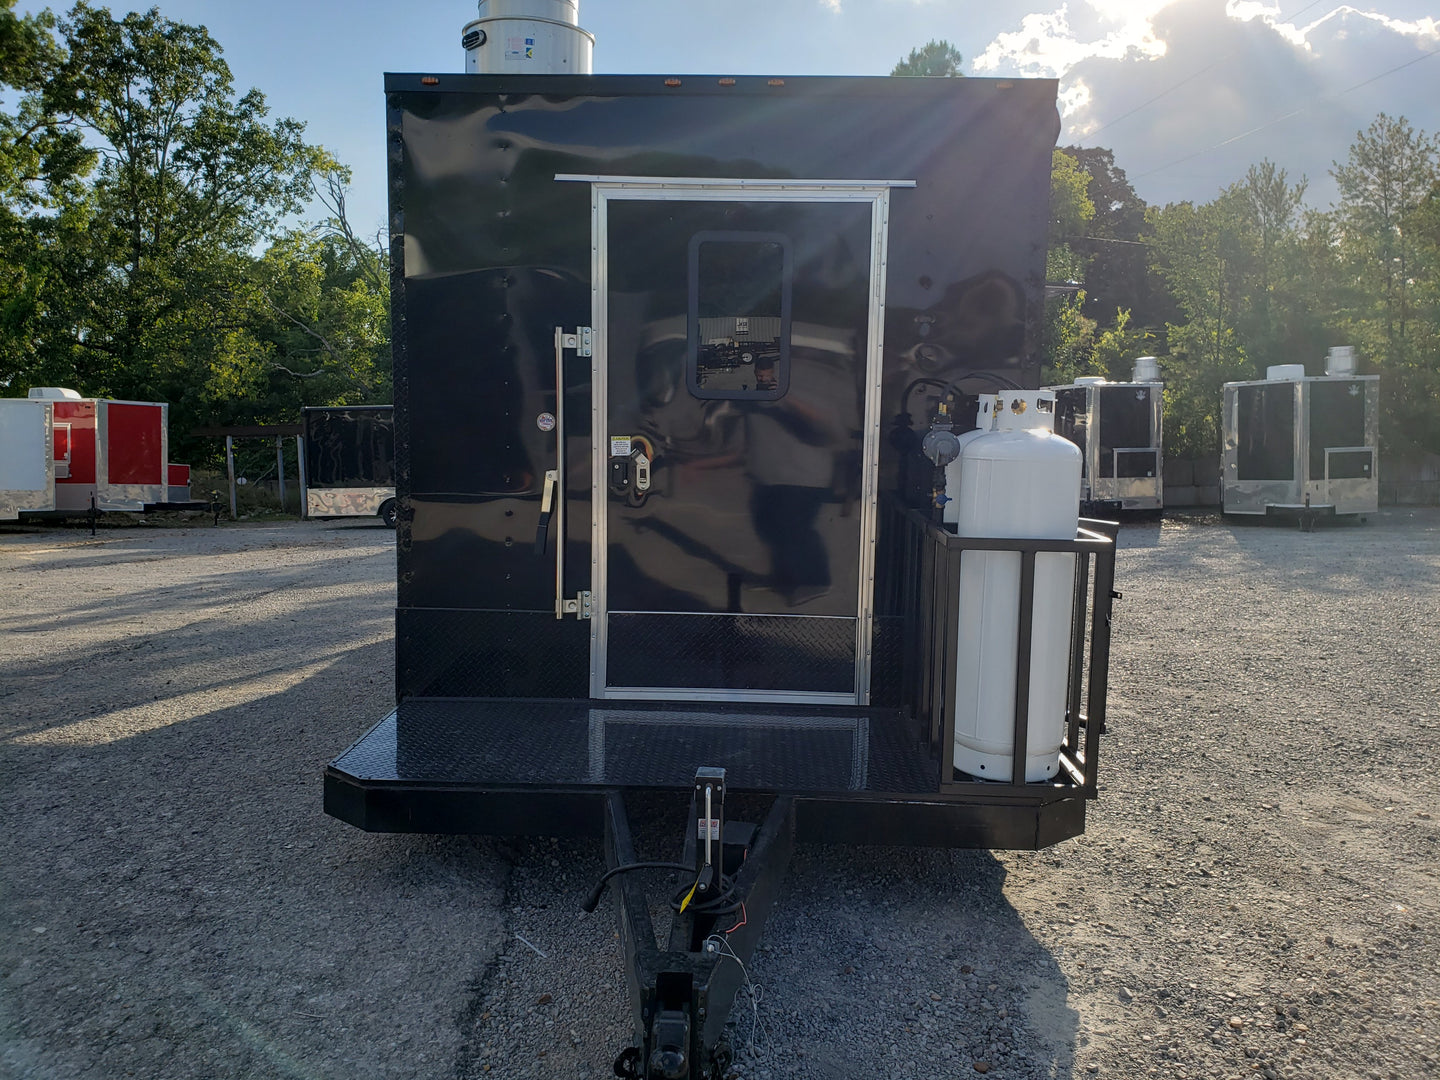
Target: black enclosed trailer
{"type": "Point", "coordinates": [665, 351]}
{"type": "Point", "coordinates": [348, 468]}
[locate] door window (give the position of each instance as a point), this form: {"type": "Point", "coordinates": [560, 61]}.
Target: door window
{"type": "Point", "coordinates": [739, 315]}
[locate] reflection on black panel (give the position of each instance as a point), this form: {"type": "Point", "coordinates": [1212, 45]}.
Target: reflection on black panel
{"type": "Point", "coordinates": [1337, 418]}
{"type": "Point", "coordinates": [739, 315]}
{"type": "Point", "coordinates": [1072, 420]}
{"type": "Point", "coordinates": [1124, 418]}
{"type": "Point", "coordinates": [350, 448]}
{"type": "Point", "coordinates": [1265, 432]}
{"type": "Point", "coordinates": [1351, 464]}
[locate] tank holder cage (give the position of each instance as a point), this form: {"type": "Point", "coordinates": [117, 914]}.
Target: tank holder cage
{"type": "Point", "coordinates": [925, 591]}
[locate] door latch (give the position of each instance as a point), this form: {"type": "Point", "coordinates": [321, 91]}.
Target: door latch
{"type": "Point", "coordinates": [582, 341]}
{"type": "Point", "coordinates": [579, 605]}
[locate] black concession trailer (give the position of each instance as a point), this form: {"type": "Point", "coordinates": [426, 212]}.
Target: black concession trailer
{"type": "Point", "coordinates": [665, 350]}
{"type": "Point", "coordinates": [349, 464]}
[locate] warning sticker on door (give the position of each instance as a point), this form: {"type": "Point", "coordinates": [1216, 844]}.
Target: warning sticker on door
{"type": "Point", "coordinates": [619, 445]}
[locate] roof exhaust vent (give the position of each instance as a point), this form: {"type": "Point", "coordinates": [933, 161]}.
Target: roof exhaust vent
{"type": "Point", "coordinates": [1147, 369]}
{"type": "Point", "coordinates": [527, 37]}
{"type": "Point", "coordinates": [1340, 360]}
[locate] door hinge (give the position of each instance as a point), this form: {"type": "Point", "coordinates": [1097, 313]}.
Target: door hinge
{"type": "Point", "coordinates": [579, 606]}
{"type": "Point", "coordinates": [582, 341]}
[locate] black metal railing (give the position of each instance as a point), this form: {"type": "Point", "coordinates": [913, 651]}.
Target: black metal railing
{"type": "Point", "coordinates": [923, 586]}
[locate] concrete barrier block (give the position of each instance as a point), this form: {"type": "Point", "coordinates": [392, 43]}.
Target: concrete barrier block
{"type": "Point", "coordinates": [1207, 472]}
{"type": "Point", "coordinates": [1180, 472]}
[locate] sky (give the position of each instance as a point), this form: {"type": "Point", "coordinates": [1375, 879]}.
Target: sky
{"type": "Point", "coordinates": [1188, 94]}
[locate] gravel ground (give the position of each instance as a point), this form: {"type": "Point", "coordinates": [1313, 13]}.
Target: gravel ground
{"type": "Point", "coordinates": [1256, 894]}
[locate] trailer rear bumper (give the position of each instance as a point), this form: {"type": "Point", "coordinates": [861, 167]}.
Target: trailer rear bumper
{"type": "Point", "coordinates": [857, 776]}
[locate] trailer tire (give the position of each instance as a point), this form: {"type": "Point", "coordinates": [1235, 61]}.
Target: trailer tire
{"type": "Point", "coordinates": [389, 512]}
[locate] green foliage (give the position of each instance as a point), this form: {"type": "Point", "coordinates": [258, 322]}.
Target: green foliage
{"type": "Point", "coordinates": [136, 188]}
{"type": "Point", "coordinates": [933, 58]}
{"type": "Point", "coordinates": [1112, 246]}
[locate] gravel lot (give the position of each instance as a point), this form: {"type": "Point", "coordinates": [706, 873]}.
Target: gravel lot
{"type": "Point", "coordinates": [1256, 894]}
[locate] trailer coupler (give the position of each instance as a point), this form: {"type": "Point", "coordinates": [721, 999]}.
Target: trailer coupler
{"type": "Point", "coordinates": [681, 995]}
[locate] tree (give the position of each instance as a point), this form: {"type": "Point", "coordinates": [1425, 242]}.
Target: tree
{"type": "Point", "coordinates": [934, 58]}
{"type": "Point", "coordinates": [1113, 247]}
{"type": "Point", "coordinates": [325, 321]}
{"type": "Point", "coordinates": [43, 197]}
{"type": "Point", "coordinates": [140, 274]}
{"type": "Point", "coordinates": [1390, 171]}
{"type": "Point", "coordinates": [1201, 254]}
{"type": "Point", "coordinates": [1385, 187]}
{"type": "Point", "coordinates": [1068, 336]}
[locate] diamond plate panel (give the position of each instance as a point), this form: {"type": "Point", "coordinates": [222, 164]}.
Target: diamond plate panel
{"type": "Point", "coordinates": [450, 652]}
{"type": "Point", "coordinates": [732, 652]}
{"type": "Point", "coordinates": [514, 743]}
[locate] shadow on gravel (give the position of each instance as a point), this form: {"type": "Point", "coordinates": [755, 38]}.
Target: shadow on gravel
{"type": "Point", "coordinates": [215, 648]}
{"type": "Point", "coordinates": [175, 903]}
{"type": "Point", "coordinates": [882, 961]}
{"type": "Point", "coordinates": [1324, 561]}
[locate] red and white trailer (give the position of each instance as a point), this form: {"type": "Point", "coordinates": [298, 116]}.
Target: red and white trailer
{"type": "Point", "coordinates": [101, 453]}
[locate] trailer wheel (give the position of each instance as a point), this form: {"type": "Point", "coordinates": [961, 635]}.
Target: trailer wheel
{"type": "Point", "coordinates": [389, 512]}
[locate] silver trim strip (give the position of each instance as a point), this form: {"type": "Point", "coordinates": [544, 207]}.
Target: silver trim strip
{"type": "Point", "coordinates": [599, 462]}
{"type": "Point", "coordinates": [558, 513]}
{"type": "Point", "coordinates": [725, 185]}
{"type": "Point", "coordinates": [690, 693]}
{"type": "Point", "coordinates": [870, 481]}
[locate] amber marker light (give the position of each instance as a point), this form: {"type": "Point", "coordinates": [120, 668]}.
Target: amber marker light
{"type": "Point", "coordinates": [429, 80]}
{"type": "Point", "coordinates": [776, 82]}
{"type": "Point", "coordinates": [672, 81]}
{"type": "Point", "coordinates": [727, 81]}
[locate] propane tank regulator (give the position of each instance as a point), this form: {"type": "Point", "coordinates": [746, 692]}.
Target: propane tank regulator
{"type": "Point", "coordinates": [942, 446]}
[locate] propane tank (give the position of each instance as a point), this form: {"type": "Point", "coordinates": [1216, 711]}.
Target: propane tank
{"type": "Point", "coordinates": [531, 37]}
{"type": "Point", "coordinates": [1022, 483]}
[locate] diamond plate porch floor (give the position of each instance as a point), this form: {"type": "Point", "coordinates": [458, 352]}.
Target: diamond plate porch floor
{"type": "Point", "coordinates": [782, 749]}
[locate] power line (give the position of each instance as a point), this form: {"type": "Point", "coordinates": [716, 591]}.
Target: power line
{"type": "Point", "coordinates": [1281, 119]}
{"type": "Point", "coordinates": [1214, 63]}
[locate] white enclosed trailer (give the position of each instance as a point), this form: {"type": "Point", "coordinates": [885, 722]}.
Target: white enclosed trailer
{"type": "Point", "coordinates": [1118, 427]}
{"type": "Point", "coordinates": [1295, 443]}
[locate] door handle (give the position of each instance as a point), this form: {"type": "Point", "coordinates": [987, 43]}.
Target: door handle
{"type": "Point", "coordinates": [547, 504]}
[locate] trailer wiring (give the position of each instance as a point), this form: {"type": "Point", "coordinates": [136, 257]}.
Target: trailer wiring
{"type": "Point", "coordinates": [744, 918]}
{"type": "Point", "coordinates": [722, 946]}
{"type": "Point", "coordinates": [722, 903]}
{"type": "Point", "coordinates": [593, 900]}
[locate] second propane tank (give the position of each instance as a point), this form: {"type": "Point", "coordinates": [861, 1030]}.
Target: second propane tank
{"type": "Point", "coordinates": [1018, 483]}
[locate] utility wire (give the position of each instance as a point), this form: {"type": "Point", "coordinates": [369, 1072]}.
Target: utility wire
{"type": "Point", "coordinates": [1191, 77]}
{"type": "Point", "coordinates": [1281, 119]}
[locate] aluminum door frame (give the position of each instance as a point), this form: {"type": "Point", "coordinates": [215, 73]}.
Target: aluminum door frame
{"type": "Point", "coordinates": [604, 189]}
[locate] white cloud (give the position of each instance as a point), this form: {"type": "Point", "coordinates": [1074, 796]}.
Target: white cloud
{"type": "Point", "coordinates": [1046, 45]}
{"type": "Point", "coordinates": [1190, 93]}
